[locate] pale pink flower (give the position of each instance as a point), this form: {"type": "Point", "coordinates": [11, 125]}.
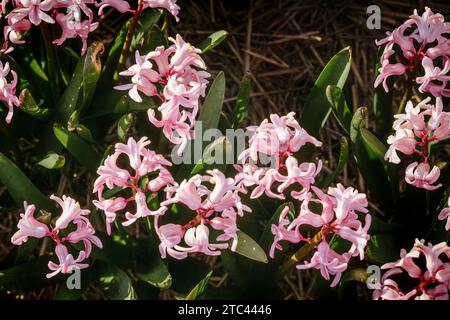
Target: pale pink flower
{"type": "Point", "coordinates": [120, 5]}
{"type": "Point", "coordinates": [170, 236]}
{"type": "Point", "coordinates": [328, 262]}
{"type": "Point", "coordinates": [420, 176]}
{"type": "Point", "coordinates": [348, 200]}
{"type": "Point", "coordinates": [275, 142]}
{"type": "Point", "coordinates": [72, 211]}
{"type": "Point", "coordinates": [419, 41]}
{"type": "Point", "coordinates": [338, 216]}
{"type": "Point", "coordinates": [430, 282]}
{"type": "Point", "coordinates": [415, 130]}
{"type": "Point", "coordinates": [84, 232]}
{"type": "Point", "coordinates": [110, 207]}
{"type": "Point", "coordinates": [28, 226]}
{"type": "Point", "coordinates": [72, 215]}
{"type": "Point", "coordinates": [216, 201]}
{"type": "Point", "coordinates": [13, 32]}
{"type": "Point", "coordinates": [66, 262]}
{"type": "Point", "coordinates": [143, 162]}
{"type": "Point", "coordinates": [34, 10]}
{"type": "Point", "coordinates": [445, 214]}
{"type": "Point", "coordinates": [180, 73]}
{"type": "Point", "coordinates": [169, 5]}
{"type": "Point", "coordinates": [197, 239]}
{"type": "Point", "coordinates": [72, 29]}
{"type": "Point", "coordinates": [8, 90]}
{"type": "Point", "coordinates": [142, 76]}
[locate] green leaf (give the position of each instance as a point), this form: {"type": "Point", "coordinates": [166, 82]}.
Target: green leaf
{"type": "Point", "coordinates": [82, 84]}
{"type": "Point", "coordinates": [52, 161]}
{"type": "Point", "coordinates": [32, 71]}
{"type": "Point", "coordinates": [248, 247]}
{"type": "Point", "coordinates": [382, 105]}
{"type": "Point", "coordinates": [243, 99]}
{"type": "Point", "coordinates": [20, 187]}
{"type": "Point", "coordinates": [372, 168]}
{"type": "Point", "coordinates": [212, 106]}
{"type": "Point", "coordinates": [150, 267]}
{"type": "Point", "coordinates": [91, 73]}
{"type": "Point", "coordinates": [28, 276]}
{"type": "Point", "coordinates": [339, 105]}
{"type": "Point", "coordinates": [77, 146]}
{"type": "Point", "coordinates": [343, 157]}
{"type": "Point", "coordinates": [124, 125]}
{"type": "Point", "coordinates": [29, 105]}
{"type": "Point", "coordinates": [212, 41]}
{"type": "Point", "coordinates": [377, 147]}
{"type": "Point", "coordinates": [219, 147]}
{"type": "Point", "coordinates": [114, 282]}
{"type": "Point", "coordinates": [200, 288]}
{"type": "Point", "coordinates": [316, 109]}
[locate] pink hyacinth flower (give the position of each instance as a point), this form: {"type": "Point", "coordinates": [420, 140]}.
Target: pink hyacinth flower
{"type": "Point", "coordinates": [169, 5]}
{"type": "Point", "coordinates": [445, 214]}
{"type": "Point", "coordinates": [420, 176]}
{"type": "Point", "coordinates": [28, 226]}
{"type": "Point", "coordinates": [67, 263]}
{"type": "Point", "coordinates": [8, 90]}
{"type": "Point", "coordinates": [430, 281]}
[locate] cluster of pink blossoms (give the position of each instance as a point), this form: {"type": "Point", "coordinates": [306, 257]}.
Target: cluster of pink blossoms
{"type": "Point", "coordinates": [415, 130]}
{"type": "Point", "coordinates": [332, 214]}
{"type": "Point", "coordinates": [213, 197]}
{"type": "Point", "coordinates": [424, 51]}
{"type": "Point", "coordinates": [72, 215]}
{"type": "Point", "coordinates": [215, 202]}
{"type": "Point", "coordinates": [8, 89]}
{"type": "Point", "coordinates": [276, 142]}
{"type": "Point", "coordinates": [75, 17]}
{"type": "Point", "coordinates": [149, 175]}
{"type": "Point", "coordinates": [182, 76]}
{"type": "Point", "coordinates": [431, 280]}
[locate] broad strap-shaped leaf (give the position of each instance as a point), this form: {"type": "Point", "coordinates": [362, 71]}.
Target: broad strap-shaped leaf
{"type": "Point", "coordinates": [82, 84]}
{"type": "Point", "coordinates": [217, 150]}
{"type": "Point", "coordinates": [212, 106]}
{"type": "Point", "coordinates": [114, 282]}
{"type": "Point", "coordinates": [29, 105]}
{"type": "Point", "coordinates": [28, 67]}
{"type": "Point", "coordinates": [242, 102]}
{"type": "Point", "coordinates": [372, 168]}
{"type": "Point", "coordinates": [77, 146]}
{"type": "Point", "coordinates": [316, 109]}
{"type": "Point", "coordinates": [124, 126]}
{"type": "Point", "coordinates": [343, 157]}
{"type": "Point", "coordinates": [29, 276]}
{"type": "Point", "coordinates": [199, 289]}
{"type": "Point", "coordinates": [20, 187]}
{"type": "Point", "coordinates": [52, 161]}
{"type": "Point", "coordinates": [249, 248]}
{"type": "Point", "coordinates": [340, 108]}
{"type": "Point", "coordinates": [212, 40]}
{"type": "Point", "coordinates": [150, 267]}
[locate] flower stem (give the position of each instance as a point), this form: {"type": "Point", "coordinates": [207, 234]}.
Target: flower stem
{"type": "Point", "coordinates": [301, 254]}
{"type": "Point", "coordinates": [129, 38]}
